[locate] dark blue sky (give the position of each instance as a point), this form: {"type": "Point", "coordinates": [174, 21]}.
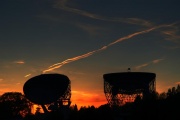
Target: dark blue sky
{"type": "Point", "coordinates": [88, 38]}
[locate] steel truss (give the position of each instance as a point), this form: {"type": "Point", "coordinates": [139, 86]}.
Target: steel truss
{"type": "Point", "coordinates": [119, 97]}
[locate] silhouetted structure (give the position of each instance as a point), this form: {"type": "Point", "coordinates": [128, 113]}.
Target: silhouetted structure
{"type": "Point", "coordinates": [48, 88]}
{"type": "Point", "coordinates": [123, 87]}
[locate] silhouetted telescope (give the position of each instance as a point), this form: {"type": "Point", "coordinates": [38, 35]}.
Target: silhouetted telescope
{"type": "Point", "coordinates": [123, 87]}
{"type": "Point", "coordinates": [46, 88]}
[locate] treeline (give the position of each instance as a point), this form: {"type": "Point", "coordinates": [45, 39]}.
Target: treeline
{"type": "Point", "coordinates": [162, 106]}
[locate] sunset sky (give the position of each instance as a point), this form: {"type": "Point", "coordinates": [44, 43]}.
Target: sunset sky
{"type": "Point", "coordinates": [85, 39]}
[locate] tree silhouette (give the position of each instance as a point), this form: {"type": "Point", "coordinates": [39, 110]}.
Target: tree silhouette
{"type": "Point", "coordinates": [178, 89]}
{"type": "Point", "coordinates": [14, 105]}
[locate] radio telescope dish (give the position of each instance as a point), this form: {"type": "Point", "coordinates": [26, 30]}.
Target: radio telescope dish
{"type": "Point", "coordinates": [123, 87]}
{"type": "Point", "coordinates": [47, 88]}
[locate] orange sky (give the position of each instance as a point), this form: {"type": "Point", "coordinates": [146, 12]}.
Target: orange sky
{"type": "Point", "coordinates": [80, 98]}
{"type": "Point", "coordinates": [82, 94]}
{"type": "Point", "coordinates": [88, 98]}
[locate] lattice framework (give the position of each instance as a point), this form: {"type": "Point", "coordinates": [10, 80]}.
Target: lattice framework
{"type": "Point", "coordinates": [118, 96]}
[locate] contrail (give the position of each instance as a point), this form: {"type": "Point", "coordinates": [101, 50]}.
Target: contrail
{"type": "Point", "coordinates": [148, 63]}
{"type": "Point", "coordinates": [60, 64]}
{"type": "Point", "coordinates": [62, 5]}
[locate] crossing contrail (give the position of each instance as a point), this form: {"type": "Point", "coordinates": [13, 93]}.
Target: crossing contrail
{"type": "Point", "coordinates": [60, 64]}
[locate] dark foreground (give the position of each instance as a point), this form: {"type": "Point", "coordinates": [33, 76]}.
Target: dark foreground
{"type": "Point", "coordinates": [164, 106]}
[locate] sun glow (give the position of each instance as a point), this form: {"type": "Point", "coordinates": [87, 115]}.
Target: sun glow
{"type": "Point", "coordinates": [81, 98]}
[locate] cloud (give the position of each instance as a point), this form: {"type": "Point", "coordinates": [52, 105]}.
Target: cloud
{"type": "Point", "coordinates": [60, 64]}
{"type": "Point", "coordinates": [61, 4]}
{"type": "Point", "coordinates": [172, 33]}
{"type": "Point", "coordinates": [148, 63]}
{"type": "Point", "coordinates": [27, 75]}
{"type": "Point", "coordinates": [141, 66]}
{"type": "Point", "coordinates": [157, 61]}
{"type": "Point", "coordinates": [19, 62]}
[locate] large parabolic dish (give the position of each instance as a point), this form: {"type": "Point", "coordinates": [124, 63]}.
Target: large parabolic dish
{"type": "Point", "coordinates": [122, 86]}
{"type": "Point", "coordinates": [46, 88]}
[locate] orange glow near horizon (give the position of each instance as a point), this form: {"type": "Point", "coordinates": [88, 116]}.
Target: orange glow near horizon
{"type": "Point", "coordinates": [81, 98]}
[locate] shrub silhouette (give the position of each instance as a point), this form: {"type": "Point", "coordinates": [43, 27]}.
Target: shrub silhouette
{"type": "Point", "coordinates": [14, 105]}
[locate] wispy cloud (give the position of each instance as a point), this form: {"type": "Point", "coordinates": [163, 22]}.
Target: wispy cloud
{"type": "Point", "coordinates": [141, 66]}
{"type": "Point", "coordinates": [148, 63]}
{"type": "Point", "coordinates": [62, 4]}
{"type": "Point", "coordinates": [27, 75]}
{"type": "Point", "coordinates": [19, 62]}
{"type": "Point", "coordinates": [157, 61]}
{"type": "Point", "coordinates": [172, 33]}
{"type": "Point", "coordinates": [60, 64]}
